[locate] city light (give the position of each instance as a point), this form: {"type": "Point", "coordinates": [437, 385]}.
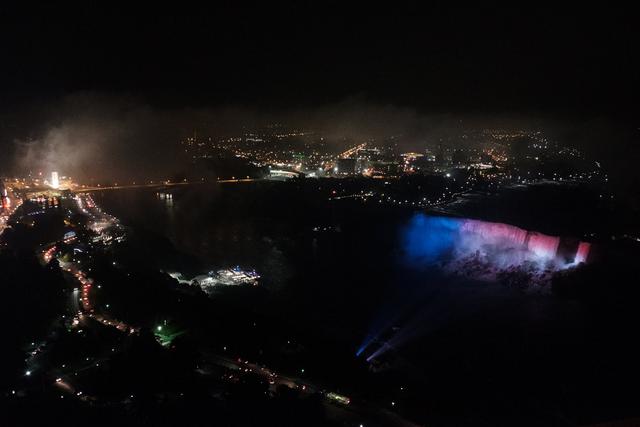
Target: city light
{"type": "Point", "coordinates": [55, 182]}
{"type": "Point", "coordinates": [401, 220]}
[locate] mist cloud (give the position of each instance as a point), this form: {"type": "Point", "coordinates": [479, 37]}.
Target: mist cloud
{"type": "Point", "coordinates": [97, 137]}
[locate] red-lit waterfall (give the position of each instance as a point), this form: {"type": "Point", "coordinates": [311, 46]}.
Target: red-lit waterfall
{"type": "Point", "coordinates": [583, 252]}
{"type": "Point", "coordinates": [540, 246]}
{"type": "Point", "coordinates": [495, 231]}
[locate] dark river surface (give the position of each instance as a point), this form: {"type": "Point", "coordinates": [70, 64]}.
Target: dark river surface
{"type": "Point", "coordinates": [355, 281]}
{"type": "Point", "coordinates": [352, 277]}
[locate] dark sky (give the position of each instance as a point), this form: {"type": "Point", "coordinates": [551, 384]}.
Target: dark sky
{"type": "Point", "coordinates": [112, 89]}
{"type": "Point", "coordinates": [446, 60]}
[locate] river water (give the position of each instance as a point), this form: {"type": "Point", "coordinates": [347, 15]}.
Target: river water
{"type": "Point", "coordinates": [354, 275]}
{"type": "Point", "coordinates": [343, 269]}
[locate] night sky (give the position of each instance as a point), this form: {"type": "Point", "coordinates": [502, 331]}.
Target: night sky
{"type": "Point", "coordinates": [526, 116]}
{"type": "Point", "coordinates": [581, 61]}
{"type": "Point", "coordinates": [104, 86]}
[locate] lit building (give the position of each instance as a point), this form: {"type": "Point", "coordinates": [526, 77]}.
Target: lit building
{"type": "Point", "coordinates": [4, 200]}
{"type": "Point", "coordinates": [55, 181]}
{"type": "Point", "coordinates": [346, 166]}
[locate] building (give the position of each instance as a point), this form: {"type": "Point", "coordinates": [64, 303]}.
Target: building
{"type": "Point", "coordinates": [459, 157]}
{"type": "Point", "coordinates": [4, 199]}
{"type": "Point", "coordinates": [371, 154]}
{"type": "Point", "coordinates": [55, 181]}
{"type": "Point", "coordinates": [346, 166]}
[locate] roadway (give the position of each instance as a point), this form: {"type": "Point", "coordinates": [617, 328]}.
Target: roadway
{"type": "Point", "coordinates": [354, 413]}
{"type": "Point", "coordinates": [164, 184]}
{"type": "Point", "coordinates": [352, 151]}
{"type": "Point", "coordinates": [5, 213]}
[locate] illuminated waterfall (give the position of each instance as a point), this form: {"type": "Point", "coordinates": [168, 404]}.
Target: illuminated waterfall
{"type": "Point", "coordinates": [583, 252]}
{"type": "Point", "coordinates": [495, 231]}
{"type": "Point", "coordinates": [542, 245]}
{"type": "Point", "coordinates": [482, 251]}
{"type": "Point", "coordinates": [434, 239]}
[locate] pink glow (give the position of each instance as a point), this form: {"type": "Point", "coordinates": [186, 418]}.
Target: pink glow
{"type": "Point", "coordinates": [487, 248]}
{"type": "Point", "coordinates": [507, 245]}
{"type": "Point", "coordinates": [542, 245]}
{"type": "Point", "coordinates": [583, 252]}
{"type": "Point", "coordinates": [494, 231]}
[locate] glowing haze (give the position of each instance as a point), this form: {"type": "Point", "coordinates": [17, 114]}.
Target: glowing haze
{"type": "Point", "coordinates": [431, 239]}
{"type": "Point", "coordinates": [96, 137]}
